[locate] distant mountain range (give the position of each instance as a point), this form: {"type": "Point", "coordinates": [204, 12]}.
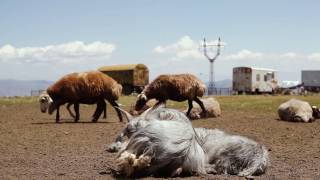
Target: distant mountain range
{"type": "Point", "coordinates": [227, 83]}
{"type": "Point", "coordinates": [10, 87]}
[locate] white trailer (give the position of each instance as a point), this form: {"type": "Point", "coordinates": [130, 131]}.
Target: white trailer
{"type": "Point", "coordinates": [311, 80]}
{"type": "Point", "coordinates": [254, 80]}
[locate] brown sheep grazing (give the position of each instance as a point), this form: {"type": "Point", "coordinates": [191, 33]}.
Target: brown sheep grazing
{"type": "Point", "coordinates": [82, 88]}
{"type": "Point", "coordinates": [178, 87]}
{"type": "Point", "coordinates": [44, 97]}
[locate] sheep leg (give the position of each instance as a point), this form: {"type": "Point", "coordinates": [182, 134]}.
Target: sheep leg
{"type": "Point", "coordinates": [99, 109]}
{"type": "Point", "coordinates": [76, 109]}
{"type": "Point", "coordinates": [94, 119]}
{"type": "Point", "coordinates": [190, 107]}
{"type": "Point", "coordinates": [70, 112]}
{"type": "Point", "coordinates": [176, 172]}
{"type": "Point", "coordinates": [105, 112]}
{"type": "Point", "coordinates": [204, 111]}
{"type": "Point", "coordinates": [115, 104]}
{"type": "Point", "coordinates": [211, 169]}
{"type": "Point", "coordinates": [57, 114]}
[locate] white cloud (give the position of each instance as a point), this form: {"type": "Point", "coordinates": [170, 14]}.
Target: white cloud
{"type": "Point", "coordinates": [244, 54]}
{"type": "Point", "coordinates": [71, 52]}
{"type": "Point", "coordinates": [184, 48]}
{"type": "Point", "coordinates": [314, 56]}
{"type": "Point", "coordinates": [289, 55]}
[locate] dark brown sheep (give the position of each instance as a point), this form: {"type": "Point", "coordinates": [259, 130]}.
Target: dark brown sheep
{"type": "Point", "coordinates": [178, 87]}
{"type": "Point", "coordinates": [82, 88]}
{"type": "Point", "coordinates": [44, 98]}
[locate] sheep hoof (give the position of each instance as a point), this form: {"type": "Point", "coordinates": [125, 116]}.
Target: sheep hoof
{"type": "Point", "coordinates": [94, 120]}
{"type": "Point", "coordinates": [204, 114]}
{"type": "Point", "coordinates": [177, 172]}
{"type": "Point", "coordinates": [142, 162]}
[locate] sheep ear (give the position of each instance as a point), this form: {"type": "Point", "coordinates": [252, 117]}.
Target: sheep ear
{"type": "Point", "coordinates": [125, 114]}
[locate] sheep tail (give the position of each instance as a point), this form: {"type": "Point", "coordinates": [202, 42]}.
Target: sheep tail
{"type": "Point", "coordinates": [201, 89]}
{"type": "Point", "coordinates": [116, 91]}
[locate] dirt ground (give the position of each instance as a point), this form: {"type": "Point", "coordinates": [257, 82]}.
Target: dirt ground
{"type": "Point", "coordinates": [33, 146]}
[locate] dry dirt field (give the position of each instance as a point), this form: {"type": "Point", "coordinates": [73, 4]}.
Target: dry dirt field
{"type": "Point", "coordinates": [33, 146]}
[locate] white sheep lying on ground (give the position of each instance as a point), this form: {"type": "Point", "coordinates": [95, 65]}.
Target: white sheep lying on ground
{"type": "Point", "coordinates": [297, 111]}
{"type": "Point", "coordinates": [163, 142]}
{"type": "Point", "coordinates": [212, 106]}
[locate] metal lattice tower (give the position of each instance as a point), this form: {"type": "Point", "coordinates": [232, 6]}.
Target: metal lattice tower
{"type": "Point", "coordinates": [212, 86]}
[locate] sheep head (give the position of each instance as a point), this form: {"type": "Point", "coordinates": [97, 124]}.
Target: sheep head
{"type": "Point", "coordinates": [316, 112]}
{"type": "Point", "coordinates": [52, 107]}
{"type": "Point", "coordinates": [137, 122]}
{"type": "Point", "coordinates": [45, 102]}
{"type": "Point", "coordinates": [141, 101]}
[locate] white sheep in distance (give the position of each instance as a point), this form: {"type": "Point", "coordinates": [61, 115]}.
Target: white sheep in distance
{"type": "Point", "coordinates": [295, 110]}
{"type": "Point", "coordinates": [212, 106]}
{"type": "Point", "coordinates": [176, 87]}
{"type": "Point", "coordinates": [91, 87]}
{"type": "Point", "coordinates": [163, 142]}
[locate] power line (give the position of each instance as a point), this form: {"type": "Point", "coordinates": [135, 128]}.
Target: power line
{"type": "Point", "coordinates": [211, 87]}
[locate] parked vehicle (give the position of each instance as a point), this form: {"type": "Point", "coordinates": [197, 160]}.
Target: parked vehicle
{"type": "Point", "coordinates": [132, 77]}
{"type": "Point", "coordinates": [254, 80]}
{"type": "Point", "coordinates": [311, 80]}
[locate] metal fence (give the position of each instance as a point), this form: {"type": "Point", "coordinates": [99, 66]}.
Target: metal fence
{"type": "Point", "coordinates": [36, 92]}
{"type": "Point", "coordinates": [216, 92]}
{"type": "Point", "coordinates": [221, 92]}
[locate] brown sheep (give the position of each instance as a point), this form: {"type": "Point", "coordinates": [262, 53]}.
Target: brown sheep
{"type": "Point", "coordinates": [45, 97]}
{"type": "Point", "coordinates": [178, 87]}
{"type": "Point", "coordinates": [82, 88]}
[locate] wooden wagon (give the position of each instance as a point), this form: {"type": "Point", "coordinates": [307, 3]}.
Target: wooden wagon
{"type": "Point", "coordinates": [132, 77]}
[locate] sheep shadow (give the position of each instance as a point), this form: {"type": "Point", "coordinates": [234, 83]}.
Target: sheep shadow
{"type": "Point", "coordinates": [293, 122]}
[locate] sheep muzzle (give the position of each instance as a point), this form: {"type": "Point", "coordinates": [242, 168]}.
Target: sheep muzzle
{"type": "Point", "coordinates": [315, 112]}
{"type": "Point", "coordinates": [52, 108]}
{"type": "Point", "coordinates": [141, 102]}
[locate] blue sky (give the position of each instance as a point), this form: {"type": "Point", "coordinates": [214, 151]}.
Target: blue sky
{"type": "Point", "coordinates": [46, 39]}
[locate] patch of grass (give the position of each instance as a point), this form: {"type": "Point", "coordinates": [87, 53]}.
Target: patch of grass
{"type": "Point", "coordinates": [18, 100]}
{"type": "Point", "coordinates": [260, 103]}
{"type": "Point", "coordinates": [247, 103]}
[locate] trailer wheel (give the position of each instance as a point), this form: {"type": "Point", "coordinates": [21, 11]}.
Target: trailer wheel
{"type": "Point", "coordinates": [257, 91]}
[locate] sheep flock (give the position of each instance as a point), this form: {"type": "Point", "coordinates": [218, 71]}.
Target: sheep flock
{"type": "Point", "coordinates": [161, 141]}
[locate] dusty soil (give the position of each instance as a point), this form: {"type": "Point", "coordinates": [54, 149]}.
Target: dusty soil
{"type": "Point", "coordinates": [33, 146]}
